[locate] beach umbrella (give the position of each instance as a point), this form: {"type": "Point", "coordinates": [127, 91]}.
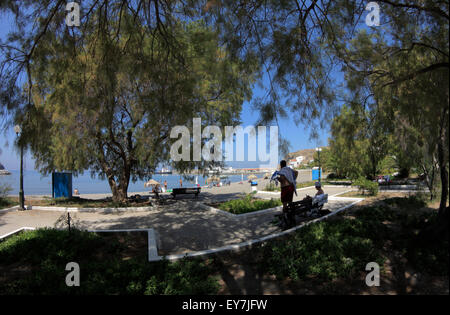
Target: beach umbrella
{"type": "Point", "coordinates": [150, 183]}
{"type": "Point", "coordinates": [267, 175]}
{"type": "Point", "coordinates": [251, 177]}
{"type": "Point", "coordinates": [213, 179]}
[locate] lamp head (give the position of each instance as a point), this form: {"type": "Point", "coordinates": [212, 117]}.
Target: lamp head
{"type": "Point", "coordinates": [17, 129]}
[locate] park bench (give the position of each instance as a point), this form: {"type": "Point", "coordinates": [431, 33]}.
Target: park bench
{"type": "Point", "coordinates": [307, 207]}
{"type": "Point", "coordinates": [183, 191]}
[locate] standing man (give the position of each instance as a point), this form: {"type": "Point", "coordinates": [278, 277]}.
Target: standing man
{"type": "Point", "coordinates": [181, 182]}
{"type": "Point", "coordinates": [287, 177]}
{"type": "Point", "coordinates": [165, 185]}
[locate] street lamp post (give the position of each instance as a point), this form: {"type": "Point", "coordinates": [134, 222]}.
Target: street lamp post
{"type": "Point", "coordinates": [320, 170]}
{"type": "Point", "coordinates": [18, 130]}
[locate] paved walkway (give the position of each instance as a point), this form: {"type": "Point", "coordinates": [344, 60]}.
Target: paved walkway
{"type": "Point", "coordinates": [181, 226]}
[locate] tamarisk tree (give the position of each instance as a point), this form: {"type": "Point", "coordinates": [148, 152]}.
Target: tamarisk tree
{"type": "Point", "coordinates": [106, 100]}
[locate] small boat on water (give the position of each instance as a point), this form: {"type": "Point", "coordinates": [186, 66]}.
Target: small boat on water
{"type": "Point", "coordinates": [164, 171]}
{"type": "Point", "coordinates": [5, 172]}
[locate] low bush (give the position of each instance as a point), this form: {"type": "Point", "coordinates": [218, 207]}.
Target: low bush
{"type": "Point", "coordinates": [5, 189]}
{"type": "Point", "coordinates": [272, 187]}
{"type": "Point", "coordinates": [364, 185]}
{"type": "Point", "coordinates": [34, 263]}
{"type": "Point", "coordinates": [248, 204]}
{"type": "Point", "coordinates": [341, 248]}
{"type": "Point", "coordinates": [325, 251]}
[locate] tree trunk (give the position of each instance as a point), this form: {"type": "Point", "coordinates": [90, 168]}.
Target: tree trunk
{"type": "Point", "coordinates": [119, 191]}
{"type": "Point", "coordinates": [444, 177]}
{"type": "Point", "coordinates": [442, 161]}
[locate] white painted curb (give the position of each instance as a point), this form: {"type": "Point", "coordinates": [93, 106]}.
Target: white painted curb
{"type": "Point", "coordinates": [25, 228]}
{"type": "Point", "coordinates": [151, 240]}
{"type": "Point", "coordinates": [10, 209]}
{"type": "Point", "coordinates": [242, 215]}
{"type": "Point", "coordinates": [67, 209]}
{"type": "Point", "coordinates": [251, 242]}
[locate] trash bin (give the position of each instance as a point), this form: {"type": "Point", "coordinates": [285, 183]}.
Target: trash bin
{"type": "Point", "coordinates": [254, 185]}
{"type": "Point", "coordinates": [62, 185]}
{"type": "Point", "coordinates": [316, 173]}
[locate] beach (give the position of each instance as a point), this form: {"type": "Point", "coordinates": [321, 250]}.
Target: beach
{"type": "Point", "coordinates": [36, 186]}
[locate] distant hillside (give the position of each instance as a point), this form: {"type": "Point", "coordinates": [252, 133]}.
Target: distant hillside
{"type": "Point", "coordinates": [307, 153]}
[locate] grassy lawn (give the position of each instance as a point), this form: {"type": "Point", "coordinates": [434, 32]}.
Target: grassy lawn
{"type": "Point", "coordinates": [8, 202]}
{"type": "Point", "coordinates": [80, 203]}
{"type": "Point", "coordinates": [34, 262]}
{"type": "Point", "coordinates": [273, 187]}
{"type": "Point", "coordinates": [248, 204]}
{"type": "Point", "coordinates": [327, 257]}
{"type": "Point", "coordinates": [353, 194]}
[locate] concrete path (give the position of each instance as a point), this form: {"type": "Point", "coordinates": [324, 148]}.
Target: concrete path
{"type": "Point", "coordinates": [182, 225]}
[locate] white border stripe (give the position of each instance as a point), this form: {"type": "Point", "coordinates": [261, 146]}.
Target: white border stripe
{"type": "Point", "coordinates": [25, 228]}
{"type": "Point", "coordinates": [64, 209]}
{"type": "Point", "coordinates": [152, 243]}
{"type": "Point", "coordinates": [251, 242]}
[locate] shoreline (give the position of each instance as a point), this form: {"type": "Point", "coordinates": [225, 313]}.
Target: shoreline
{"type": "Point", "coordinates": [234, 186]}
{"type": "Point", "coordinates": [214, 190]}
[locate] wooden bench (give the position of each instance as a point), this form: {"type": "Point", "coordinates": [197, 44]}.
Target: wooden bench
{"type": "Point", "coordinates": [183, 191]}
{"type": "Point", "coordinates": [307, 207]}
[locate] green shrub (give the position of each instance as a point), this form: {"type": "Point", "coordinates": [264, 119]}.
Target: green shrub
{"type": "Point", "coordinates": [271, 187]}
{"type": "Point", "coordinates": [5, 189]}
{"type": "Point", "coordinates": [365, 185]}
{"type": "Point", "coordinates": [325, 250]}
{"type": "Point", "coordinates": [45, 253]}
{"type": "Point", "coordinates": [248, 204]}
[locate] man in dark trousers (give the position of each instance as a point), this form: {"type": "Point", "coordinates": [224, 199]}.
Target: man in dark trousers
{"type": "Point", "coordinates": [287, 177]}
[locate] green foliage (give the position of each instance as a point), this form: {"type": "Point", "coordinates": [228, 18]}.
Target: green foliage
{"type": "Point", "coordinates": [360, 143]}
{"type": "Point", "coordinates": [5, 189]}
{"type": "Point", "coordinates": [340, 249]}
{"type": "Point", "coordinates": [248, 204]}
{"type": "Point", "coordinates": [46, 252]}
{"type": "Point", "coordinates": [271, 187]}
{"type": "Point", "coordinates": [107, 103]}
{"type": "Point", "coordinates": [325, 250]}
{"type": "Point", "coordinates": [365, 185]}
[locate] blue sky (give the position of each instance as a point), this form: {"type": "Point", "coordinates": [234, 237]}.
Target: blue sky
{"type": "Point", "coordinates": [297, 135]}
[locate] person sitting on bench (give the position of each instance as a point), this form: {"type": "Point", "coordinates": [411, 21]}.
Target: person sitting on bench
{"type": "Point", "coordinates": [320, 191]}
{"type": "Point", "coordinates": [156, 191]}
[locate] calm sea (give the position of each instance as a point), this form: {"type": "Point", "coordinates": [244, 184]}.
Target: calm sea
{"type": "Point", "coordinates": [36, 184]}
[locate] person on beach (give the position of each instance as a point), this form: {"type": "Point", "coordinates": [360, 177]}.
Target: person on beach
{"type": "Point", "coordinates": [165, 185]}
{"type": "Point", "coordinates": [181, 182]}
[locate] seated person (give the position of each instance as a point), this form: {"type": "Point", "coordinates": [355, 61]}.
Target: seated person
{"type": "Point", "coordinates": [320, 191]}
{"type": "Point", "coordinates": [156, 191]}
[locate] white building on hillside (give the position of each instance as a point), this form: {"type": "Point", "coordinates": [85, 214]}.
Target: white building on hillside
{"type": "Point", "coordinates": [297, 161]}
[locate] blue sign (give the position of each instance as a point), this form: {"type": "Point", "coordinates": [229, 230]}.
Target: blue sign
{"type": "Point", "coordinates": [62, 185]}
{"type": "Point", "coordinates": [315, 174]}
